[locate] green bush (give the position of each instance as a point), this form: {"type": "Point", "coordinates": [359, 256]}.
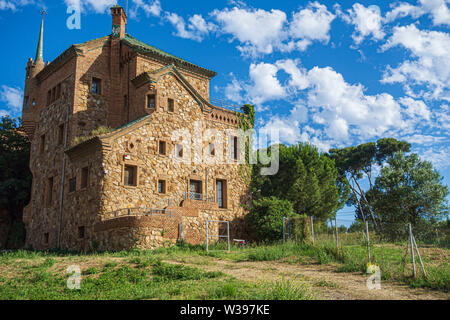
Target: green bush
{"type": "Point", "coordinates": [266, 218]}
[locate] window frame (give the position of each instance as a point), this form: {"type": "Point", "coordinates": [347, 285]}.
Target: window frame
{"type": "Point", "coordinates": [136, 174]}
{"type": "Point", "coordinates": [224, 193]}
{"type": "Point", "coordinates": [94, 80]}
{"type": "Point", "coordinates": [84, 179]}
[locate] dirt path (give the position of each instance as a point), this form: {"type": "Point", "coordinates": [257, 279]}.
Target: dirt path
{"type": "Point", "coordinates": [326, 283]}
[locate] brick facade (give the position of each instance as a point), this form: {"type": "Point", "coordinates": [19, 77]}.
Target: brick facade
{"type": "Point", "coordinates": [80, 197]}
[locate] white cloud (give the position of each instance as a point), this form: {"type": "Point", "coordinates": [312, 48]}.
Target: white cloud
{"type": "Point", "coordinates": [150, 8]}
{"type": "Point", "coordinates": [341, 109]}
{"type": "Point", "coordinates": [438, 10]}
{"type": "Point", "coordinates": [298, 76]}
{"type": "Point", "coordinates": [259, 31]}
{"type": "Point", "coordinates": [12, 96]}
{"type": "Point", "coordinates": [98, 6]}
{"type": "Point", "coordinates": [13, 5]}
{"type": "Point", "coordinates": [439, 158]}
{"type": "Point", "coordinates": [196, 29]}
{"type": "Point", "coordinates": [416, 108]}
{"type": "Point", "coordinates": [265, 85]}
{"type": "Point", "coordinates": [337, 101]}
{"type": "Point", "coordinates": [367, 22]}
{"type": "Point", "coordinates": [263, 32]}
{"type": "Point", "coordinates": [431, 66]}
{"type": "Point", "coordinates": [311, 23]}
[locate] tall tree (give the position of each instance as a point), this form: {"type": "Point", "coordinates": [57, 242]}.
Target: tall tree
{"type": "Point", "coordinates": [356, 163]}
{"type": "Point", "coordinates": [409, 190]}
{"type": "Point", "coordinates": [15, 185]}
{"type": "Point", "coordinates": [306, 178]}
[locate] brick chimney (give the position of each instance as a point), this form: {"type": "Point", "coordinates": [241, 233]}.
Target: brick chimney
{"type": "Point", "coordinates": [119, 22]}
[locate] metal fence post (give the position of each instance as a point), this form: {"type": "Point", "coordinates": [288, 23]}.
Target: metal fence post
{"type": "Point", "coordinates": [207, 248]}
{"type": "Point", "coordinates": [368, 239]}
{"type": "Point", "coordinates": [412, 250]}
{"type": "Point", "coordinates": [337, 237]}
{"type": "Point", "coordinates": [418, 254]}
{"type": "Point", "coordinates": [228, 234]}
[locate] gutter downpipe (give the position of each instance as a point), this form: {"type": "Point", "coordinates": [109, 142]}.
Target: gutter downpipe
{"type": "Point", "coordinates": [61, 196]}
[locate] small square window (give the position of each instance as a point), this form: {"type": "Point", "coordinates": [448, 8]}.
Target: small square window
{"type": "Point", "coordinates": [162, 148]}
{"type": "Point", "coordinates": [171, 105]}
{"type": "Point", "coordinates": [162, 186]}
{"type": "Point", "coordinates": [81, 232]}
{"type": "Point", "coordinates": [130, 176]}
{"type": "Point", "coordinates": [84, 177]}
{"type": "Point", "coordinates": [96, 86]}
{"type": "Point", "coordinates": [73, 185]}
{"type": "Point", "coordinates": [151, 101]}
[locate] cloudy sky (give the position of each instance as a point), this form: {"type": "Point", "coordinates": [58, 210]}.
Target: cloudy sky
{"type": "Point", "coordinates": [333, 73]}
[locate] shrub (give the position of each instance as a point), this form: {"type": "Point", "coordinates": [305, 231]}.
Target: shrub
{"type": "Point", "coordinates": [266, 217]}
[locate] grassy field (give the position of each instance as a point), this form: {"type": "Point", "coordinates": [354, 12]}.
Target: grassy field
{"type": "Point", "coordinates": [182, 272]}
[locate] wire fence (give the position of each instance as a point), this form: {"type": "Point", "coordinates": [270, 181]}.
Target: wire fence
{"type": "Point", "coordinates": [399, 247]}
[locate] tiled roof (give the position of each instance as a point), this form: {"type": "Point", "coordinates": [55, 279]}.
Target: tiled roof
{"type": "Point", "coordinates": [145, 48]}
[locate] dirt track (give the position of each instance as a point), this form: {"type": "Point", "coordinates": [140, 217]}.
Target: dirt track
{"type": "Point", "coordinates": [326, 283]}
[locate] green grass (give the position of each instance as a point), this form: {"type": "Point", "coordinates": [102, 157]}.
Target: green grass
{"type": "Point", "coordinates": [41, 276]}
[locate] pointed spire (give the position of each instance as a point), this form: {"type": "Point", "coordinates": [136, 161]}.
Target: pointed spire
{"type": "Point", "coordinates": [40, 47]}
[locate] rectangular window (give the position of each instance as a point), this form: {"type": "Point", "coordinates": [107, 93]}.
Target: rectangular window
{"type": "Point", "coordinates": [81, 231]}
{"type": "Point", "coordinates": [151, 101]}
{"type": "Point", "coordinates": [49, 191]}
{"type": "Point", "coordinates": [162, 186]}
{"type": "Point", "coordinates": [180, 151]}
{"type": "Point", "coordinates": [162, 148]}
{"type": "Point", "coordinates": [53, 95]}
{"type": "Point", "coordinates": [42, 145]}
{"type": "Point", "coordinates": [234, 148]}
{"type": "Point", "coordinates": [49, 97]}
{"type": "Point", "coordinates": [212, 149]}
{"type": "Point", "coordinates": [221, 193]}
{"type": "Point", "coordinates": [96, 86]}
{"type": "Point", "coordinates": [84, 177]}
{"type": "Point", "coordinates": [195, 188]}
{"type": "Point", "coordinates": [61, 135]}
{"type": "Point", "coordinates": [130, 176]}
{"type": "Point", "coordinates": [58, 91]}
{"type": "Point", "coordinates": [171, 105]}
{"type": "Point", "coordinates": [26, 102]}
{"type": "Point", "coordinates": [73, 185]}
{"type": "Point", "coordinates": [46, 237]}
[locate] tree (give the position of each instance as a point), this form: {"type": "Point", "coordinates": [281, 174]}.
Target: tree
{"type": "Point", "coordinates": [306, 178]}
{"type": "Point", "coordinates": [355, 163]}
{"type": "Point", "coordinates": [266, 217]}
{"type": "Point", "coordinates": [15, 185]}
{"type": "Point", "coordinates": [409, 190]}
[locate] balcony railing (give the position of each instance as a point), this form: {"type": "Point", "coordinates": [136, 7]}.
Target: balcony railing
{"type": "Point", "coordinates": [139, 212]}
{"type": "Point", "coordinates": [198, 197]}
{"type": "Point", "coordinates": [225, 104]}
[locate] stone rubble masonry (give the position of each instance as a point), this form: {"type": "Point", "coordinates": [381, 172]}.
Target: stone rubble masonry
{"type": "Point", "coordinates": [87, 220]}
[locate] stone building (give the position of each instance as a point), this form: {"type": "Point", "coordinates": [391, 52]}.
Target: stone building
{"type": "Point", "coordinates": [140, 184]}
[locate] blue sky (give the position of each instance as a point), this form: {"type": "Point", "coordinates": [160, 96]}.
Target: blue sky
{"type": "Point", "coordinates": [331, 73]}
